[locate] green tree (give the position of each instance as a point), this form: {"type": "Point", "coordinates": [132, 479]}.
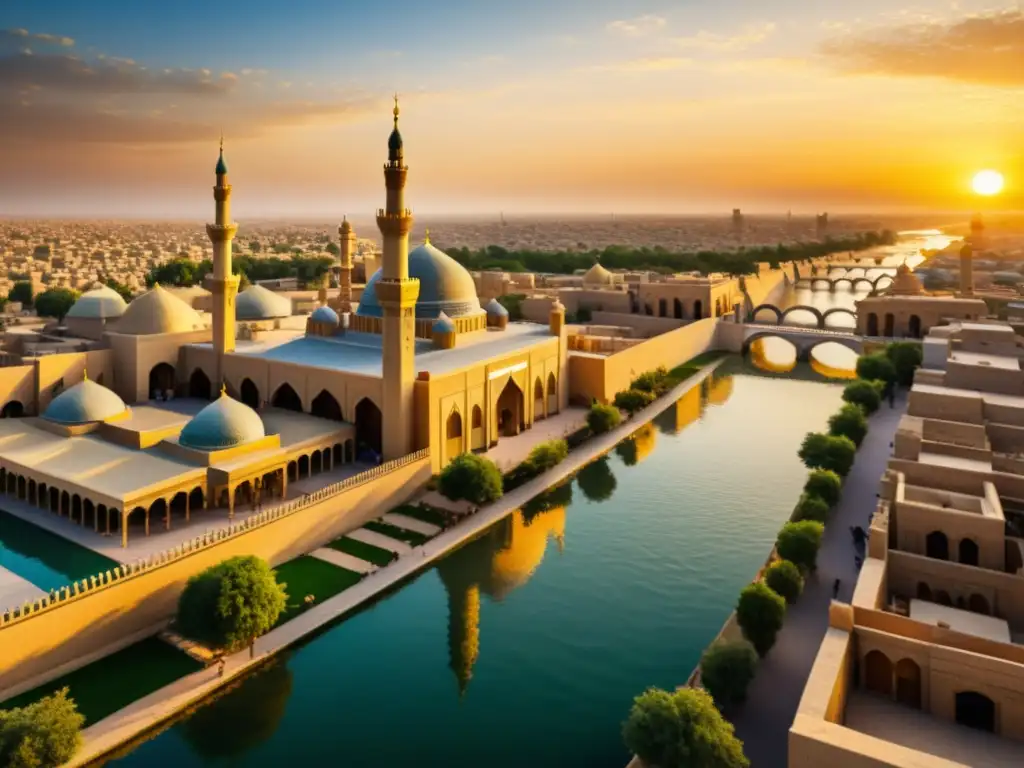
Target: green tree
{"type": "Point", "coordinates": [633, 400]}
{"type": "Point", "coordinates": [811, 508]}
{"type": "Point", "coordinates": [546, 455]}
{"type": "Point", "coordinates": [232, 603]}
{"type": "Point", "coordinates": [726, 670]}
{"type": "Point", "coordinates": [655, 382]}
{"type": "Point", "coordinates": [596, 480]}
{"type": "Point", "coordinates": [255, 246]}
{"type": "Point", "coordinates": [760, 613]}
{"type": "Point", "coordinates": [799, 543]}
{"type": "Point", "coordinates": [55, 302]}
{"type": "Point", "coordinates": [603, 418]}
{"type": "Point", "coordinates": [472, 478]}
{"type": "Point", "coordinates": [45, 734]}
{"type": "Point", "coordinates": [906, 357]}
{"type": "Point", "coordinates": [876, 367]}
{"type": "Point", "coordinates": [177, 272]}
{"type": "Point", "coordinates": [681, 729]}
{"type": "Point", "coordinates": [784, 578]}
{"type": "Point", "coordinates": [126, 293]}
{"type": "Point", "coordinates": [826, 485]}
{"type": "Point", "coordinates": [864, 393]}
{"type": "Point", "coordinates": [21, 292]}
{"type": "Point", "coordinates": [821, 451]}
{"type": "Point", "coordinates": [849, 421]}
{"type": "Point", "coordinates": [332, 248]}
{"type": "Point", "coordinates": [513, 302]}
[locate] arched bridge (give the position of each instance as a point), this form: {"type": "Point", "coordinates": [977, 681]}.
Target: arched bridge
{"type": "Point", "coordinates": [804, 339]}
{"type": "Point", "coordinates": [833, 282]}
{"type": "Point", "coordinates": [782, 314]}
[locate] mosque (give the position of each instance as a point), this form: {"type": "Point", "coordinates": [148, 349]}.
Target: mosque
{"type": "Point", "coordinates": [180, 411]}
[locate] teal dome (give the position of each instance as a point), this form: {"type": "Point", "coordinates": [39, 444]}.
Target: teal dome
{"type": "Point", "coordinates": [222, 167]}
{"type": "Point", "coordinates": [443, 324]}
{"type": "Point", "coordinates": [224, 423]}
{"type": "Point", "coordinates": [84, 403]}
{"type": "Point", "coordinates": [495, 309]}
{"type": "Point", "coordinates": [445, 286]}
{"type": "Point", "coordinates": [324, 315]}
{"type": "Point", "coordinates": [259, 303]}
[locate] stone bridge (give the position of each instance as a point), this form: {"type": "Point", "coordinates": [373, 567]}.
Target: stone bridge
{"type": "Point", "coordinates": [833, 282]}
{"type": "Point", "coordinates": [804, 339]}
{"type": "Point", "coordinates": [782, 314]}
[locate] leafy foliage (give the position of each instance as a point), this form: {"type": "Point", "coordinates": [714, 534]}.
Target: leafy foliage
{"type": "Point", "coordinates": [727, 669]}
{"type": "Point", "coordinates": [849, 421]}
{"type": "Point", "coordinates": [633, 400]}
{"type": "Point", "coordinates": [906, 357]}
{"type": "Point", "coordinates": [831, 452]}
{"type": "Point", "coordinates": [126, 293]}
{"type": "Point", "coordinates": [231, 603]}
{"type": "Point", "coordinates": [681, 729]}
{"type": "Point", "coordinates": [603, 418]}
{"type": "Point", "coordinates": [513, 302]}
{"type": "Point", "coordinates": [865, 394]}
{"type": "Point", "coordinates": [472, 478]}
{"type": "Point", "coordinates": [655, 382]}
{"type": "Point", "coordinates": [21, 292]}
{"type": "Point", "coordinates": [824, 484]}
{"type": "Point", "coordinates": [811, 508]}
{"type": "Point", "coordinates": [45, 734]}
{"type": "Point", "coordinates": [546, 455]}
{"type": "Point", "coordinates": [799, 543]}
{"type": "Point", "coordinates": [876, 366]}
{"type": "Point", "coordinates": [760, 613]}
{"type": "Point", "coordinates": [784, 578]}
{"type": "Point", "coordinates": [55, 302]}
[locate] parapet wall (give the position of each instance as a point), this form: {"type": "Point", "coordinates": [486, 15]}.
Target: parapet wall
{"type": "Point", "coordinates": [51, 636]}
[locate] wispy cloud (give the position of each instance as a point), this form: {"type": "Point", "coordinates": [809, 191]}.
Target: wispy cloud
{"type": "Point", "coordinates": [638, 27]}
{"type": "Point", "coordinates": [650, 64]}
{"type": "Point", "coordinates": [712, 41]}
{"type": "Point", "coordinates": [22, 37]}
{"type": "Point", "coordinates": [986, 49]}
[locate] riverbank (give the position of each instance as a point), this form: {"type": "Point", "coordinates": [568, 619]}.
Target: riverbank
{"type": "Point", "coordinates": [145, 714]}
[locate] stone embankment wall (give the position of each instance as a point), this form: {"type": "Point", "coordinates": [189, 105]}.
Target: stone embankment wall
{"type": "Point", "coordinates": [94, 617]}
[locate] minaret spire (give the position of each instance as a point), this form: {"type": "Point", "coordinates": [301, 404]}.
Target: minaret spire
{"type": "Point", "coordinates": [346, 247]}
{"type": "Point", "coordinates": [222, 283]}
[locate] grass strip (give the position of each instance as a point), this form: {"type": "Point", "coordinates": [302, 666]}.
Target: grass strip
{"type": "Point", "coordinates": [393, 531]}
{"type": "Point", "coordinates": [363, 551]}
{"type": "Point", "coordinates": [308, 575]}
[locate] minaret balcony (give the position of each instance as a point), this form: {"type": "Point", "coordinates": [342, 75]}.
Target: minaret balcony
{"type": "Point", "coordinates": [402, 293]}
{"type": "Point", "coordinates": [394, 224]}
{"type": "Point", "coordinates": [221, 233]}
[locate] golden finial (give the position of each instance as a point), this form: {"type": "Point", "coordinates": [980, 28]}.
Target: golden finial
{"type": "Point", "coordinates": [85, 373]}
{"type": "Point", "coordinates": [223, 389]}
{"type": "Point", "coordinates": [222, 141]}
{"type": "Point", "coordinates": [426, 237]}
{"type": "Point", "coordinates": [395, 111]}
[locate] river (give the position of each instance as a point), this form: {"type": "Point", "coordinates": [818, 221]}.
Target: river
{"type": "Point", "coordinates": [525, 647]}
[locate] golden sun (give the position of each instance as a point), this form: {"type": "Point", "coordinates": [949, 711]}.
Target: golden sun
{"type": "Point", "coordinates": [987, 182]}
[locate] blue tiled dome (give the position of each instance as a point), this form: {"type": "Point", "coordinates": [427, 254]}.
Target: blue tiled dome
{"type": "Point", "coordinates": [445, 286]}
{"type": "Point", "coordinates": [224, 423]}
{"type": "Point", "coordinates": [324, 315]}
{"type": "Point", "coordinates": [259, 303]}
{"type": "Point", "coordinates": [84, 403]}
{"type": "Point", "coordinates": [443, 324]}
{"type": "Point", "coordinates": [495, 309]}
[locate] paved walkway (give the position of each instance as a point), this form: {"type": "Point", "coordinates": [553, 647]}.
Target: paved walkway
{"type": "Point", "coordinates": [343, 560]}
{"type": "Point", "coordinates": [149, 711]}
{"type": "Point", "coordinates": [764, 721]}
{"type": "Point", "coordinates": [411, 524]}
{"type": "Point", "coordinates": [15, 591]}
{"type": "Point", "coordinates": [379, 540]}
{"type": "Point", "coordinates": [511, 451]}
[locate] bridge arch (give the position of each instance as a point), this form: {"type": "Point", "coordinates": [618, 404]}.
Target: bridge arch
{"type": "Point", "coordinates": [804, 340]}
{"type": "Point", "coordinates": [821, 281]}
{"type": "Point", "coordinates": [818, 317]}
{"type": "Point", "coordinates": [849, 342]}
{"type": "Point", "coordinates": [768, 307]}
{"type": "Point", "coordinates": [836, 311]}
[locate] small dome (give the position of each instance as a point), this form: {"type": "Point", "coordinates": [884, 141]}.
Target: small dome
{"type": "Point", "coordinates": [905, 283]}
{"type": "Point", "coordinates": [224, 423]}
{"type": "Point", "coordinates": [345, 226]}
{"type": "Point", "coordinates": [324, 315]}
{"type": "Point", "coordinates": [495, 309]}
{"type": "Point", "coordinates": [101, 303]}
{"type": "Point", "coordinates": [443, 324]}
{"type": "Point", "coordinates": [84, 403]}
{"type": "Point", "coordinates": [259, 303]}
{"type": "Point", "coordinates": [598, 275]}
{"type": "Point", "coordinates": [158, 311]}
{"type": "Point", "coordinates": [557, 306]}
{"type": "Point", "coordinates": [222, 167]}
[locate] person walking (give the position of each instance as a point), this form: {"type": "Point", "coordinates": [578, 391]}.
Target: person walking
{"type": "Point", "coordinates": [220, 667]}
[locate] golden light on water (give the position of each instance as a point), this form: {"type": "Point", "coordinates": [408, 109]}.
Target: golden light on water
{"type": "Point", "coordinates": [987, 183]}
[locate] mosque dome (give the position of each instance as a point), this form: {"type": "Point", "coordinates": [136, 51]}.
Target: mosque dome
{"type": "Point", "coordinates": [598, 275]}
{"type": "Point", "coordinates": [495, 309]}
{"type": "Point", "coordinates": [259, 303]}
{"type": "Point", "coordinates": [158, 311]}
{"type": "Point", "coordinates": [84, 403]}
{"type": "Point", "coordinates": [224, 423]}
{"type": "Point", "coordinates": [101, 303]}
{"type": "Point", "coordinates": [513, 565]}
{"type": "Point", "coordinates": [443, 324]}
{"type": "Point", "coordinates": [445, 286]}
{"type": "Point", "coordinates": [324, 315]}
{"type": "Point", "coordinates": [905, 283]}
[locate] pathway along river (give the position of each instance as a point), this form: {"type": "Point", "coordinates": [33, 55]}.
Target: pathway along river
{"type": "Point", "coordinates": [526, 646]}
{"type": "Point", "coordinates": [831, 359]}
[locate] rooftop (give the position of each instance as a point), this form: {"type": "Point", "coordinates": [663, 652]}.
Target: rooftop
{"type": "Point", "coordinates": [989, 361]}
{"type": "Point", "coordinates": [988, 627]}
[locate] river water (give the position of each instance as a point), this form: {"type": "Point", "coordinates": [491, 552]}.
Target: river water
{"type": "Point", "coordinates": [525, 647]}
{"type": "Point", "coordinates": [830, 359]}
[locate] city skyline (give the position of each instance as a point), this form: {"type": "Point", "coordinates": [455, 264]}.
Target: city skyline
{"type": "Point", "coordinates": [559, 107]}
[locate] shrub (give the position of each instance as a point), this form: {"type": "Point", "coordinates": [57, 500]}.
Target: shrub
{"type": "Point", "coordinates": [230, 604]}
{"type": "Point", "coordinates": [633, 400]}
{"type": "Point", "coordinates": [849, 421]}
{"type": "Point", "coordinates": [45, 734]}
{"type": "Point", "coordinates": [831, 452]}
{"type": "Point", "coordinates": [681, 729]}
{"type": "Point", "coordinates": [55, 302]}
{"type": "Point", "coordinates": [760, 613]}
{"type": "Point", "coordinates": [727, 669]}
{"type": "Point", "coordinates": [603, 418]}
{"type": "Point", "coordinates": [865, 394]}
{"type": "Point", "coordinates": [876, 367]}
{"type": "Point", "coordinates": [906, 357]}
{"type": "Point", "coordinates": [824, 484]}
{"type": "Point", "coordinates": [546, 455]}
{"type": "Point", "coordinates": [21, 291]}
{"type": "Point", "coordinates": [784, 578]}
{"type": "Point", "coordinates": [799, 543]}
{"type": "Point", "coordinates": [472, 478]}
{"type": "Point", "coordinates": [655, 382]}
{"type": "Point", "coordinates": [811, 508]}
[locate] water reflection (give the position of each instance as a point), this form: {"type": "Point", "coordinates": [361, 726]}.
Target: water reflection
{"type": "Point", "coordinates": [834, 361]}
{"type": "Point", "coordinates": [829, 359]}
{"type": "Point", "coordinates": [597, 481]}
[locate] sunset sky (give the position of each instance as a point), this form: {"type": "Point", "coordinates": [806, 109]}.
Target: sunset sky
{"type": "Point", "coordinates": [114, 107]}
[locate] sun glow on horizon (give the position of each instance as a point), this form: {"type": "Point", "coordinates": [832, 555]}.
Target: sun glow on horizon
{"type": "Point", "coordinates": [987, 183]}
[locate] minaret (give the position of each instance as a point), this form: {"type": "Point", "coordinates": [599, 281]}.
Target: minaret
{"type": "Point", "coordinates": [221, 282]}
{"type": "Point", "coordinates": [397, 294]}
{"type": "Point", "coordinates": [346, 247]}
{"type": "Point", "coordinates": [967, 270]}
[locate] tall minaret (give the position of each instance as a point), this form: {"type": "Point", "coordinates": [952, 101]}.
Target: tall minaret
{"type": "Point", "coordinates": [397, 294]}
{"type": "Point", "coordinates": [346, 247]}
{"type": "Point", "coordinates": [221, 282]}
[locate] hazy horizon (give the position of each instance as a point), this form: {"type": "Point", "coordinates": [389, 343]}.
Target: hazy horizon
{"type": "Point", "coordinates": [113, 109]}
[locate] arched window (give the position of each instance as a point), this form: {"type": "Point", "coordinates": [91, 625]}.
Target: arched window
{"type": "Point", "coordinates": [368, 427]}
{"type": "Point", "coordinates": [453, 429]}
{"type": "Point", "coordinates": [924, 592]}
{"type": "Point", "coordinates": [968, 552]}
{"type": "Point", "coordinates": [978, 604]}
{"type": "Point", "coordinates": [250, 394]}
{"type": "Point", "coordinates": [878, 673]}
{"type": "Point", "coordinates": [12, 410]}
{"type": "Point", "coordinates": [936, 545]}
{"type": "Point", "coordinates": [326, 407]}
{"type": "Point", "coordinates": [677, 309]}
{"type": "Point", "coordinates": [287, 399]}
{"type": "Point", "coordinates": [510, 410]}
{"type": "Point", "coordinates": [890, 325]}
{"type": "Point", "coordinates": [975, 710]}
{"type": "Point", "coordinates": [538, 400]}
{"type": "Point", "coordinates": [199, 385]}
{"type": "Point", "coordinates": [872, 324]}
{"type": "Point", "coordinates": [478, 417]}
{"type": "Point", "coordinates": [908, 683]}
{"type": "Point", "coordinates": [698, 310]}
{"type": "Point", "coordinates": [161, 380]}
{"type": "Point", "coordinates": [552, 395]}
{"type": "Point", "coordinates": [914, 327]}
{"type": "Point", "coordinates": [662, 308]}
